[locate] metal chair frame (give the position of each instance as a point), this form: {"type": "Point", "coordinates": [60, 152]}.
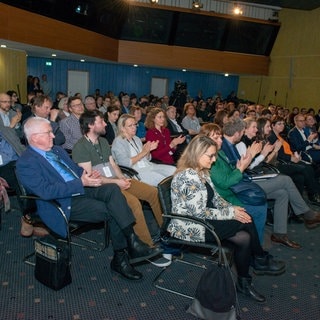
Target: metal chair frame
{"type": "Point", "coordinates": [164, 189]}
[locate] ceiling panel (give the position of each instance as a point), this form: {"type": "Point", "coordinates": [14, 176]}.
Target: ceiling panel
{"type": "Point", "coordinates": [290, 4]}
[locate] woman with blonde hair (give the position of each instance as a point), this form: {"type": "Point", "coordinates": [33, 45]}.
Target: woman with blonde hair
{"type": "Point", "coordinates": [193, 194]}
{"type": "Point", "coordinates": [128, 150]}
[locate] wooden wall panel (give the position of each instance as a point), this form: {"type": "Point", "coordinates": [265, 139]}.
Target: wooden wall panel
{"type": "Point", "coordinates": [22, 26]}
{"type": "Point", "coordinates": [26, 27]}
{"type": "Point", "coordinates": [191, 58]}
{"type": "Point", "coordinates": [13, 70]}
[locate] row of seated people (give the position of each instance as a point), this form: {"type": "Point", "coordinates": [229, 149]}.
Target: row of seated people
{"type": "Point", "coordinates": [31, 163]}
{"type": "Point", "coordinates": [208, 168]}
{"type": "Point", "coordinates": [310, 217]}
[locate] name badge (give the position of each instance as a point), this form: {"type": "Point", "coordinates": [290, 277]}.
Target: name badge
{"type": "Point", "coordinates": [107, 172]}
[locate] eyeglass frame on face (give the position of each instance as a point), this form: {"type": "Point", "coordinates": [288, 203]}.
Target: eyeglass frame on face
{"type": "Point", "coordinates": [5, 101]}
{"type": "Point", "coordinates": [46, 132]}
{"type": "Point", "coordinates": [78, 105]}
{"type": "Point", "coordinates": [210, 156]}
{"type": "Point", "coordinates": [132, 125]}
{"type": "Point", "coordinates": [280, 123]}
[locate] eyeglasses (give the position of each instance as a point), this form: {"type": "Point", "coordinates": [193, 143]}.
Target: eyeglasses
{"type": "Point", "coordinates": [76, 105]}
{"type": "Point", "coordinates": [132, 125]}
{"type": "Point", "coordinates": [5, 101]}
{"type": "Point", "coordinates": [210, 156]}
{"type": "Point", "coordinates": [46, 132]}
{"type": "Point", "coordinates": [280, 123]}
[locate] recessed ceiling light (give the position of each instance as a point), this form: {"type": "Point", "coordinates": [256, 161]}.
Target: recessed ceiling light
{"type": "Point", "coordinates": [3, 46]}
{"type": "Point", "coordinates": [226, 74]}
{"type": "Point", "coordinates": [53, 55]}
{"type": "Point", "coordinates": [184, 70]}
{"type": "Point", "coordinates": [237, 11]}
{"type": "Point", "coordinates": [135, 65]}
{"type": "Point", "coordinates": [82, 60]}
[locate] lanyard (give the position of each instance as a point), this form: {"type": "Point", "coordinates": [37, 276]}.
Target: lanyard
{"type": "Point", "coordinates": [97, 150]}
{"type": "Point", "coordinates": [135, 146]}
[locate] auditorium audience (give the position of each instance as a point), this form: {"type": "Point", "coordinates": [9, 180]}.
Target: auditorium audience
{"type": "Point", "coordinates": [231, 223]}
{"type": "Point", "coordinates": [128, 150]}
{"type": "Point", "coordinates": [156, 123]}
{"type": "Point", "coordinates": [70, 126]}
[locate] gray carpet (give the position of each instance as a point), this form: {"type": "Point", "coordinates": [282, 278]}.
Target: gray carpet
{"type": "Point", "coordinates": [96, 293]}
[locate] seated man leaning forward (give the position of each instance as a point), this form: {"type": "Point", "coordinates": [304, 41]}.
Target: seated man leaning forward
{"type": "Point", "coordinates": [93, 152]}
{"type": "Point", "coordinates": [48, 172]}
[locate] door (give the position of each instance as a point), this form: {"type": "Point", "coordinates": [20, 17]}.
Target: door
{"type": "Point", "coordinates": [78, 81]}
{"type": "Point", "coordinates": [159, 86]}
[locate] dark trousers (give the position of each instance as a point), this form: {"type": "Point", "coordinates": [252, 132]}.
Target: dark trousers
{"type": "Point", "coordinates": [303, 175]}
{"type": "Point", "coordinates": [7, 172]}
{"type": "Point", "coordinates": [105, 203]}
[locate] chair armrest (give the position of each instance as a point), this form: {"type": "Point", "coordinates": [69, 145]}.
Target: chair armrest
{"type": "Point", "coordinates": [307, 155]}
{"type": "Point", "coordinates": [129, 172]}
{"type": "Point", "coordinates": [271, 167]}
{"type": "Point", "coordinates": [262, 168]}
{"type": "Point", "coordinates": [202, 222]}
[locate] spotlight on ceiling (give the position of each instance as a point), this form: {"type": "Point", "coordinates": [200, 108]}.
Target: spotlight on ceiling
{"type": "Point", "coordinates": [237, 10]}
{"type": "Point", "coordinates": [196, 4]}
{"type": "Point", "coordinates": [154, 1]}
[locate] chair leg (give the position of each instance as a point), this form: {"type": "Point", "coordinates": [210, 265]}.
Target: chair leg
{"type": "Point", "coordinates": [27, 261]}
{"type": "Point", "coordinates": [161, 287]}
{"type": "Point", "coordinates": [94, 244]}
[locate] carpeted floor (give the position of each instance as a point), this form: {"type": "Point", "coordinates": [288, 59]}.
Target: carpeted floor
{"type": "Point", "coordinates": [96, 293]}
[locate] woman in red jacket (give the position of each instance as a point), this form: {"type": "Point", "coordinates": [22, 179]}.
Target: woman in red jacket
{"type": "Point", "coordinates": [156, 123]}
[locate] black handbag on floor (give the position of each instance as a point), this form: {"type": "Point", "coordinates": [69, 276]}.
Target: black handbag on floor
{"type": "Point", "coordinates": [216, 295]}
{"type": "Point", "coordinates": [52, 262]}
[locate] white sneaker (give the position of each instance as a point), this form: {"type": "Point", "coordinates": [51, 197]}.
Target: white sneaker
{"type": "Point", "coordinates": [164, 261]}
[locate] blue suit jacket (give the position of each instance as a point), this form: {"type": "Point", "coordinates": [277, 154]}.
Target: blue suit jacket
{"type": "Point", "coordinates": [296, 141]}
{"type": "Point", "coordinates": [39, 178]}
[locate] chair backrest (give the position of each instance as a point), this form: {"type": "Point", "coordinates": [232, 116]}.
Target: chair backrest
{"type": "Point", "coordinates": [164, 191]}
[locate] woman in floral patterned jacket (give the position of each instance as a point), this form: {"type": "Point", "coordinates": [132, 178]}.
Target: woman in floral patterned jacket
{"type": "Point", "coordinates": [193, 194]}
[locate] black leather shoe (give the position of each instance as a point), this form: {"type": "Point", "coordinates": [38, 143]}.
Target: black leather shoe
{"type": "Point", "coordinates": [266, 265]}
{"type": "Point", "coordinates": [245, 286]}
{"type": "Point", "coordinates": [120, 264]}
{"type": "Point", "coordinates": [315, 199]}
{"type": "Point", "coordinates": [139, 251]}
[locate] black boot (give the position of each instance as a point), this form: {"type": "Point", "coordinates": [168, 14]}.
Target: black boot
{"type": "Point", "coordinates": [139, 251]}
{"type": "Point", "coordinates": [245, 286]}
{"type": "Point", "coordinates": [314, 199]}
{"type": "Point", "coordinates": [120, 264]}
{"type": "Point", "coordinates": [266, 265]}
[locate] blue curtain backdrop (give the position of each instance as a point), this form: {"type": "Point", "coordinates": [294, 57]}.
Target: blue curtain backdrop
{"type": "Point", "coordinates": [119, 77]}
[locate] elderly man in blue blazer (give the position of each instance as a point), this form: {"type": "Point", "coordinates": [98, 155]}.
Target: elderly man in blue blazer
{"type": "Point", "coordinates": [48, 172]}
{"type": "Point", "coordinates": [302, 144]}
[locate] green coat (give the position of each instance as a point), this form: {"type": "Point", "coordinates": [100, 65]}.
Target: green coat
{"type": "Point", "coordinates": [223, 177]}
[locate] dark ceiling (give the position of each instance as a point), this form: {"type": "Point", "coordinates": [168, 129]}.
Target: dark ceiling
{"type": "Point", "coordinates": [290, 4]}
{"type": "Point", "coordinates": [164, 26]}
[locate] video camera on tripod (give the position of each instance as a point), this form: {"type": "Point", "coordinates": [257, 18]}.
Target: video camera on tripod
{"type": "Point", "coordinates": [179, 95]}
